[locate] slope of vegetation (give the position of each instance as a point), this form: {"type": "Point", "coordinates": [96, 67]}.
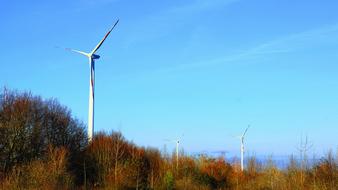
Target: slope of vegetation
{"type": "Point", "coordinates": [43, 147]}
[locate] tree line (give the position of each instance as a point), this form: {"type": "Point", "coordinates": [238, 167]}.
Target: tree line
{"type": "Point", "coordinates": [42, 146]}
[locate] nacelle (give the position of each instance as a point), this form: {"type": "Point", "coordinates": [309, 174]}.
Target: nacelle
{"type": "Point", "coordinates": [94, 56]}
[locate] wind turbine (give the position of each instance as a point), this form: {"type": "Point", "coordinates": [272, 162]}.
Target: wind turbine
{"type": "Point", "coordinates": [177, 141]}
{"type": "Point", "coordinates": [242, 147]}
{"type": "Point", "coordinates": [92, 57]}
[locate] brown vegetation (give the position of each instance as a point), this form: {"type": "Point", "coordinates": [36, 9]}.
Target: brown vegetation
{"type": "Point", "coordinates": [43, 147]}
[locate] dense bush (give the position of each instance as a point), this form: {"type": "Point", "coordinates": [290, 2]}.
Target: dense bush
{"type": "Point", "coordinates": [50, 173]}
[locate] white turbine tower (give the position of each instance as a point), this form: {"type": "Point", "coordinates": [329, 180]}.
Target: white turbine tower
{"type": "Point", "coordinates": [177, 146]}
{"type": "Point", "coordinates": [92, 56]}
{"type": "Point", "coordinates": [242, 147]}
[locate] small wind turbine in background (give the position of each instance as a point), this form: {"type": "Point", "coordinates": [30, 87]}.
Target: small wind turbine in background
{"type": "Point", "coordinates": [177, 141]}
{"type": "Point", "coordinates": [242, 147]}
{"type": "Point", "coordinates": [92, 56]}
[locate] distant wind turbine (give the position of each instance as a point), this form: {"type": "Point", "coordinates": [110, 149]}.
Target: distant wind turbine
{"type": "Point", "coordinates": [242, 147]}
{"type": "Point", "coordinates": [177, 141]}
{"type": "Point", "coordinates": [92, 56]}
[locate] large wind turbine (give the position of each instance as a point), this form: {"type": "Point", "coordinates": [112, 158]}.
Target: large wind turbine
{"type": "Point", "coordinates": [242, 147]}
{"type": "Point", "coordinates": [92, 56]}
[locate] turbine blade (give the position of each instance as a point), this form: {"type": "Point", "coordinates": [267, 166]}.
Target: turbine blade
{"type": "Point", "coordinates": [245, 130]}
{"type": "Point", "coordinates": [170, 140]}
{"type": "Point", "coordinates": [234, 136]}
{"type": "Point", "coordinates": [104, 38]}
{"type": "Point", "coordinates": [77, 51]}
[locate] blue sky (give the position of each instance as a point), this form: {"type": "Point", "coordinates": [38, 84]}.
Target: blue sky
{"type": "Point", "coordinates": [205, 69]}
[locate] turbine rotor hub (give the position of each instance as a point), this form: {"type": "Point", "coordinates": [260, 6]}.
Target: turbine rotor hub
{"type": "Point", "coordinates": [94, 56]}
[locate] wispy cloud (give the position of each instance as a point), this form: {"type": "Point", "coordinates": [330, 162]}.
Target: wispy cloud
{"type": "Point", "coordinates": [164, 22]}
{"type": "Point", "coordinates": [200, 6]}
{"type": "Point", "coordinates": [310, 39]}
{"type": "Point", "coordinates": [90, 3]}
{"type": "Point", "coordinates": [304, 40]}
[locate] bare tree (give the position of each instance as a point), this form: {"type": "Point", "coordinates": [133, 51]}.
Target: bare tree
{"type": "Point", "coordinates": [119, 152]}
{"type": "Point", "coordinates": [303, 149]}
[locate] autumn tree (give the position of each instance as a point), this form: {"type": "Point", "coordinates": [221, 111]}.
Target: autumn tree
{"type": "Point", "coordinates": [106, 156]}
{"type": "Point", "coordinates": [29, 124]}
{"type": "Point", "coordinates": [155, 163]}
